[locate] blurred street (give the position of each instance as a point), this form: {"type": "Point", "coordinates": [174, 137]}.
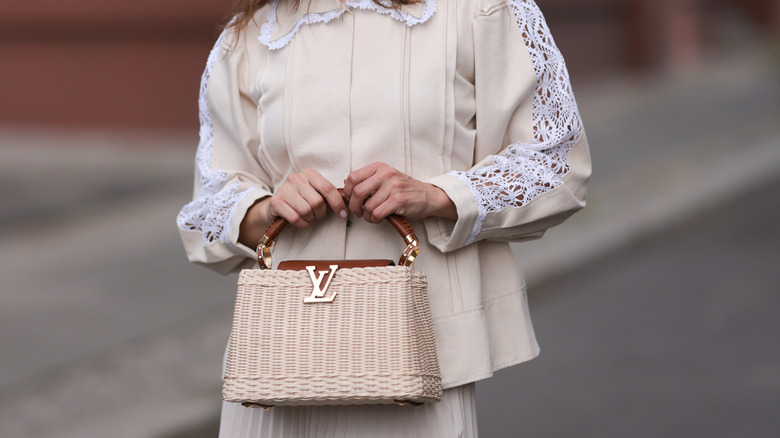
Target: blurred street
{"type": "Point", "coordinates": [656, 307]}
{"type": "Point", "coordinates": [678, 337]}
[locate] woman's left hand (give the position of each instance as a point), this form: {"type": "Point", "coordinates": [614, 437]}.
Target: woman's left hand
{"type": "Point", "coordinates": [378, 190]}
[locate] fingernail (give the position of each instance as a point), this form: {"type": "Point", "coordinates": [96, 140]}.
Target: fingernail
{"type": "Point", "coordinates": [343, 214]}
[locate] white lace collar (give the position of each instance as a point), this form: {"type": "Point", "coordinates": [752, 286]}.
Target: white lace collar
{"type": "Point", "coordinates": [283, 22]}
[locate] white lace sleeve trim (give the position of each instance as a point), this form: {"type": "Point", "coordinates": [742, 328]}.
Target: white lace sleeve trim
{"type": "Point", "coordinates": [267, 30]}
{"type": "Point", "coordinates": [531, 169]}
{"type": "Point", "coordinates": [212, 210]}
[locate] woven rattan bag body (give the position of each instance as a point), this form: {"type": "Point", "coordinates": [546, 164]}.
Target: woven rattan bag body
{"type": "Point", "coordinates": [335, 332]}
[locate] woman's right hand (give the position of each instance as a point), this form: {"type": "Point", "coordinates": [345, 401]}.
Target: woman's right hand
{"type": "Point", "coordinates": [302, 198]}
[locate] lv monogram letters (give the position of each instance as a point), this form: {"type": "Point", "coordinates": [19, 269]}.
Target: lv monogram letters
{"type": "Point", "coordinates": [319, 290]}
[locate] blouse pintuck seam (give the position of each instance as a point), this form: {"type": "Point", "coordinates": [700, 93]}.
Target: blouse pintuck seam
{"type": "Point", "coordinates": [448, 133]}
{"type": "Point", "coordinates": [289, 99]}
{"type": "Point", "coordinates": [405, 102]}
{"type": "Point", "coordinates": [351, 81]}
{"type": "Point", "coordinates": [456, 294]}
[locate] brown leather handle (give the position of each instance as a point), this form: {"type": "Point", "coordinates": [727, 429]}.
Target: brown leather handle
{"type": "Point", "coordinates": [401, 225]}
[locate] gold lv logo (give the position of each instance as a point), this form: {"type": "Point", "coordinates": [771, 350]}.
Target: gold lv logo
{"type": "Point", "coordinates": [318, 293]}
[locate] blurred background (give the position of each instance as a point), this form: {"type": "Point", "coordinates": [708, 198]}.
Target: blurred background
{"type": "Point", "coordinates": [657, 307]}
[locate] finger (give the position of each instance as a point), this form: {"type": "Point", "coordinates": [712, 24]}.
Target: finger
{"type": "Point", "coordinates": [331, 195]}
{"type": "Point", "coordinates": [304, 199]}
{"type": "Point", "coordinates": [358, 176]}
{"type": "Point", "coordinates": [391, 205]}
{"type": "Point", "coordinates": [317, 204]}
{"type": "Point", "coordinates": [284, 210]}
{"type": "Point", "coordinates": [397, 202]}
{"type": "Point", "coordinates": [289, 195]}
{"type": "Point", "coordinates": [361, 193]}
{"type": "Point", "coordinates": [301, 206]}
{"type": "Point", "coordinates": [365, 190]}
{"type": "Point", "coordinates": [378, 199]}
{"type": "Point", "coordinates": [370, 187]}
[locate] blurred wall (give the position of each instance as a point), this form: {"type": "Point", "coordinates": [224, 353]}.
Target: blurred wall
{"type": "Point", "coordinates": [617, 36]}
{"type": "Point", "coordinates": [137, 64]}
{"type": "Point", "coordinates": [104, 63]}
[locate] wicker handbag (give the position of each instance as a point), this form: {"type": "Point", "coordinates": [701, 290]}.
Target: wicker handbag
{"type": "Point", "coordinates": [336, 332]}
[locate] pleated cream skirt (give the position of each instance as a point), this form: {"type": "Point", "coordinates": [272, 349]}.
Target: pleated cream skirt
{"type": "Point", "coordinates": [453, 417]}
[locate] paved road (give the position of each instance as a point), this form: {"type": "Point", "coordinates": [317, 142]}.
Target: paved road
{"type": "Point", "coordinates": [677, 337]}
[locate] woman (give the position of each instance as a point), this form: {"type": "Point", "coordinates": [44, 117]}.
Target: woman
{"type": "Point", "coordinates": [458, 115]}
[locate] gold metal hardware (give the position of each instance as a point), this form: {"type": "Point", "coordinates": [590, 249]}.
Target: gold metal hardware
{"type": "Point", "coordinates": [264, 252]}
{"type": "Point", "coordinates": [319, 291]}
{"type": "Point", "coordinates": [410, 253]}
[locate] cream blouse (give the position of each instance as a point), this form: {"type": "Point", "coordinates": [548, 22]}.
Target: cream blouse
{"type": "Point", "coordinates": [472, 96]}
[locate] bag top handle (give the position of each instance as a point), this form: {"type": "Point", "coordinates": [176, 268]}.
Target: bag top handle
{"type": "Point", "coordinates": [401, 225]}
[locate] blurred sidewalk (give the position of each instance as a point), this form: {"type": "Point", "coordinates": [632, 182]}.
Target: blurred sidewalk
{"type": "Point", "coordinates": [663, 150]}
{"type": "Point", "coordinates": [107, 331]}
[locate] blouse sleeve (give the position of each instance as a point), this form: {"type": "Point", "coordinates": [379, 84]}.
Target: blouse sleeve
{"type": "Point", "coordinates": [228, 175]}
{"type": "Point", "coordinates": [539, 173]}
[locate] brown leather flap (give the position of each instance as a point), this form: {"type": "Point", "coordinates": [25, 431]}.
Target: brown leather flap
{"type": "Point", "coordinates": [324, 265]}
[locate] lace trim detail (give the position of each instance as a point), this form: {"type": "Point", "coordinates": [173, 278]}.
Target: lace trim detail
{"type": "Point", "coordinates": [531, 169]}
{"type": "Point", "coordinates": [267, 30]}
{"type": "Point", "coordinates": [211, 211]}
{"type": "Point", "coordinates": [270, 25]}
{"type": "Point", "coordinates": [429, 7]}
